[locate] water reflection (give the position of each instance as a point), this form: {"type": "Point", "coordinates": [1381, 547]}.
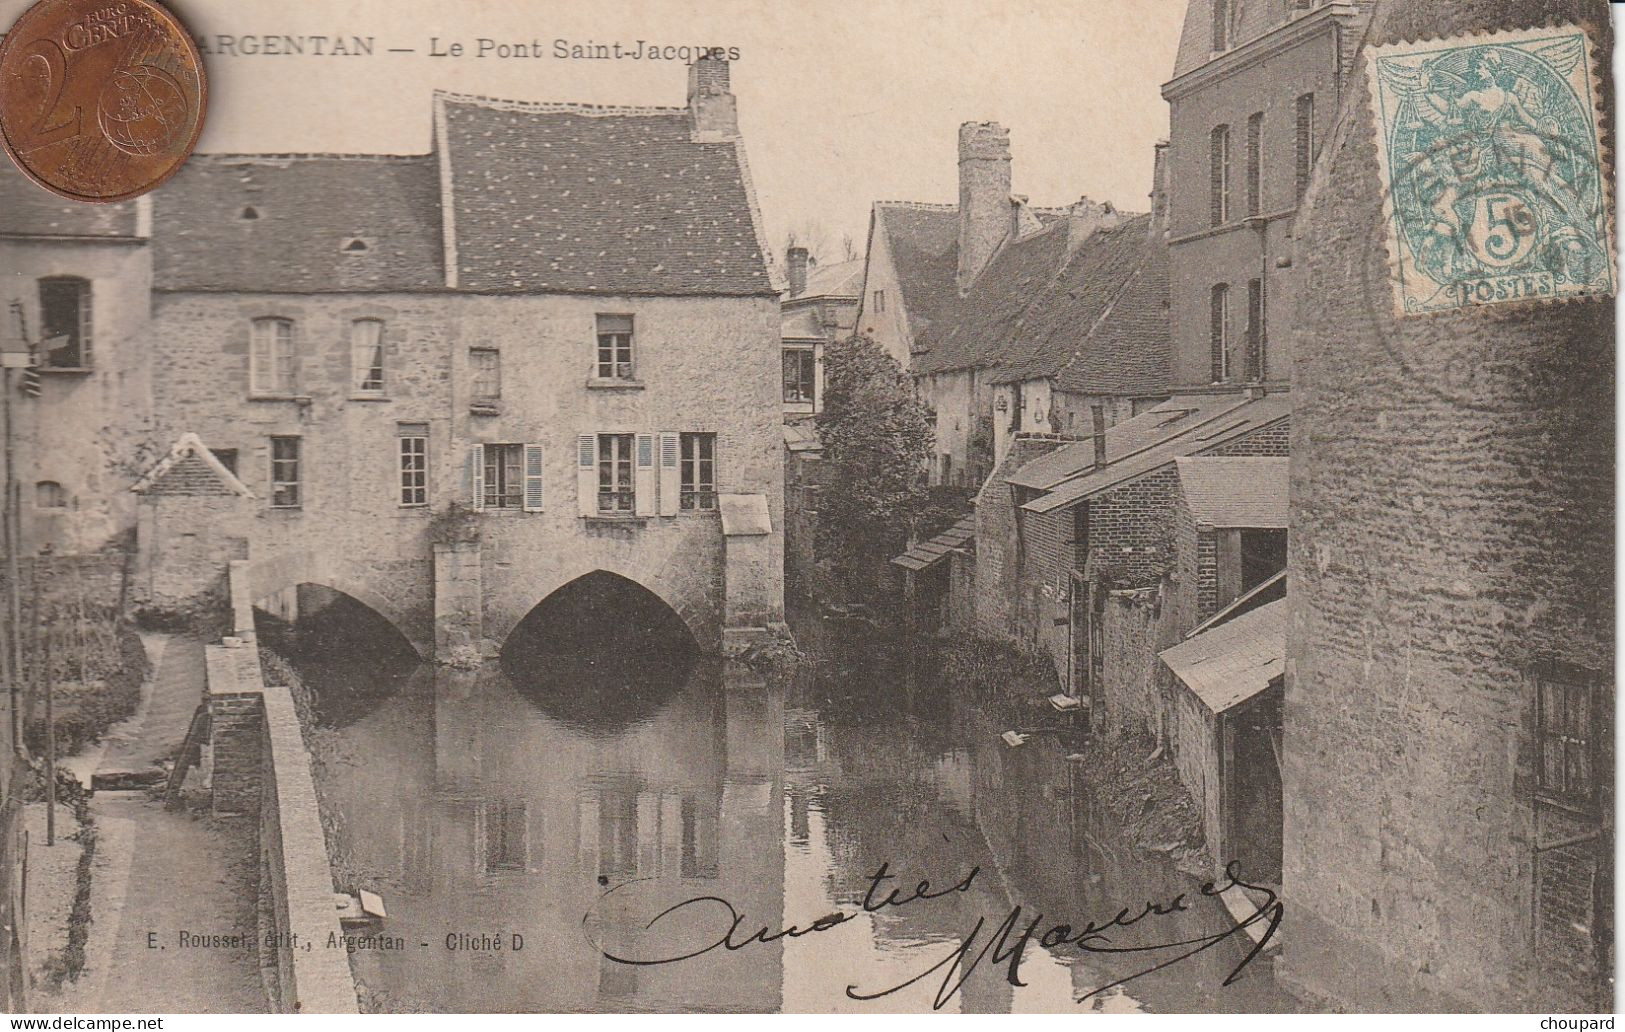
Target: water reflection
{"type": "Point", "coordinates": [480, 808]}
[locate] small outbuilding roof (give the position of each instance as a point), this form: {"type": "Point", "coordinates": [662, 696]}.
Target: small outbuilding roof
{"type": "Point", "coordinates": [1235, 491]}
{"type": "Point", "coordinates": [1232, 662]}
{"type": "Point", "coordinates": [940, 547]}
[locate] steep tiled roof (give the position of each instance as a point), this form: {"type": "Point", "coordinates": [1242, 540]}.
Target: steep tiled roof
{"type": "Point", "coordinates": [1229, 664]}
{"type": "Point", "coordinates": [239, 222]}
{"type": "Point", "coordinates": [1232, 491]}
{"type": "Point", "coordinates": [1083, 322]}
{"type": "Point", "coordinates": [26, 209]}
{"type": "Point", "coordinates": [985, 326]}
{"type": "Point", "coordinates": [1128, 350]}
{"type": "Point", "coordinates": [1042, 305]}
{"type": "Point", "coordinates": [924, 244]}
{"type": "Point", "coordinates": [611, 201]}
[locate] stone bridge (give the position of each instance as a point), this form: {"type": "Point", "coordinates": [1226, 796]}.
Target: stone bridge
{"type": "Point", "coordinates": [457, 600]}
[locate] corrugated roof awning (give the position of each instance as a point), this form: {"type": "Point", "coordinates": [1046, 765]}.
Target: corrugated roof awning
{"type": "Point", "coordinates": [1246, 419]}
{"type": "Point", "coordinates": [940, 547]}
{"type": "Point", "coordinates": [1229, 664]}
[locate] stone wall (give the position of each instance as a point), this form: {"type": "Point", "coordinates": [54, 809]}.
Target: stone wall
{"type": "Point", "coordinates": [1453, 539]}
{"type": "Point", "coordinates": [703, 365]}
{"type": "Point", "coordinates": [260, 768]}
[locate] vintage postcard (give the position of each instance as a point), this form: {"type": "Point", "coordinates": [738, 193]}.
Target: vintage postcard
{"type": "Point", "coordinates": [861, 507]}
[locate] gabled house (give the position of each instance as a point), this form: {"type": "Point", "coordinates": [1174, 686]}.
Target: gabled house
{"type": "Point", "coordinates": [546, 349]}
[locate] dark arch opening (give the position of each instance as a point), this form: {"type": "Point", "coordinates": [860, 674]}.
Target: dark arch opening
{"type": "Point", "coordinates": [600, 653]}
{"type": "Point", "coordinates": [349, 655]}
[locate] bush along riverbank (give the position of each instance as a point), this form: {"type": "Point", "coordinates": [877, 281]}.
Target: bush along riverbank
{"type": "Point", "coordinates": [93, 688]}
{"type": "Point", "coordinates": [1125, 772]}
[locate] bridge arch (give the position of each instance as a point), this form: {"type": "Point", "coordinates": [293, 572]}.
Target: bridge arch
{"type": "Point", "coordinates": [690, 606]}
{"type": "Point", "coordinates": [277, 574]}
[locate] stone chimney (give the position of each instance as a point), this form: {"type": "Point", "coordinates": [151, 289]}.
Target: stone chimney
{"type": "Point", "coordinates": [984, 196]}
{"type": "Point", "coordinates": [1159, 190]}
{"type": "Point", "coordinates": [711, 107]}
{"type": "Point", "coordinates": [796, 261]}
{"type": "Point", "coordinates": [1084, 218]}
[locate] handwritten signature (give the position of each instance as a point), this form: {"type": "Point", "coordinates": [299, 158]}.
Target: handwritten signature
{"type": "Point", "coordinates": [1005, 944]}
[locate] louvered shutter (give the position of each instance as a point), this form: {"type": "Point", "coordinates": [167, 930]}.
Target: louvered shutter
{"type": "Point", "coordinates": [533, 478]}
{"type": "Point", "coordinates": [670, 475]}
{"type": "Point", "coordinates": [644, 486]}
{"type": "Point", "coordinates": [586, 475]}
{"type": "Point", "coordinates": [476, 477]}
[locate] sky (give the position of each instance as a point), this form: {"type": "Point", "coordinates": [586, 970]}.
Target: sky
{"type": "Point", "coordinates": [842, 102]}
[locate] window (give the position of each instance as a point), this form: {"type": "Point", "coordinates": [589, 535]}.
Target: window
{"type": "Point", "coordinates": [800, 375]}
{"type": "Point", "coordinates": [48, 494]}
{"type": "Point", "coordinates": [880, 301]}
{"type": "Point", "coordinates": [1255, 164]}
{"type": "Point", "coordinates": [414, 456]}
{"type": "Point", "coordinates": [270, 362]}
{"type": "Point", "coordinates": [285, 473]}
{"type": "Point", "coordinates": [1564, 717]}
{"type": "Point", "coordinates": [615, 473]}
{"type": "Point", "coordinates": [367, 356]}
{"type": "Point", "coordinates": [1305, 141]}
{"type": "Point", "coordinates": [1219, 329]}
{"type": "Point", "coordinates": [1219, 175]}
{"type": "Point", "coordinates": [485, 375]}
{"type": "Point", "coordinates": [1255, 330]}
{"type": "Point", "coordinates": [1221, 24]}
{"type": "Point", "coordinates": [504, 476]}
{"type": "Point", "coordinates": [699, 471]}
{"type": "Point", "coordinates": [64, 303]}
{"type": "Point", "coordinates": [615, 347]}
{"type": "Point", "coordinates": [227, 457]}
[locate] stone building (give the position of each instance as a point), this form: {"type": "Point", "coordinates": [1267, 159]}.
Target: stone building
{"type": "Point", "coordinates": [449, 384]}
{"type": "Point", "coordinates": [1448, 753]}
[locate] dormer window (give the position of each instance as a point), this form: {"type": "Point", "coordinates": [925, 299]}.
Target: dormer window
{"type": "Point", "coordinates": [249, 214]}
{"type": "Point", "coordinates": [356, 246]}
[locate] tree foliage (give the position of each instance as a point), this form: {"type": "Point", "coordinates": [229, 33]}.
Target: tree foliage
{"type": "Point", "coordinates": [877, 441]}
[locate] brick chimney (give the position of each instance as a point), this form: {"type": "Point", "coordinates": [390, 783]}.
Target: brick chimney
{"type": "Point", "coordinates": [711, 107]}
{"type": "Point", "coordinates": [984, 196]}
{"type": "Point", "coordinates": [1085, 217]}
{"type": "Point", "coordinates": [796, 261]}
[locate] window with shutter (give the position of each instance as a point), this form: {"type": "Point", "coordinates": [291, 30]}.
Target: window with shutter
{"type": "Point", "coordinates": [1219, 175]}
{"type": "Point", "coordinates": [670, 483]}
{"type": "Point", "coordinates": [1305, 141]}
{"type": "Point", "coordinates": [533, 477]}
{"type": "Point", "coordinates": [587, 474]}
{"type": "Point", "coordinates": [1255, 163]}
{"type": "Point", "coordinates": [615, 491]}
{"type": "Point", "coordinates": [699, 471]}
{"type": "Point", "coordinates": [644, 486]}
{"type": "Point", "coordinates": [476, 477]}
{"type": "Point", "coordinates": [1219, 344]}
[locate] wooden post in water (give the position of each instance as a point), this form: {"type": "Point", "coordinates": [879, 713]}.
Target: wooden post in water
{"type": "Point", "coordinates": [50, 750]}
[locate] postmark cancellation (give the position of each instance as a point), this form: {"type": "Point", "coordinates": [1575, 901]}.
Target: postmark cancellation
{"type": "Point", "coordinates": [1493, 173]}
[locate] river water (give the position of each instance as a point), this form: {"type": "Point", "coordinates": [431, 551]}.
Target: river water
{"type": "Point", "coordinates": [561, 807]}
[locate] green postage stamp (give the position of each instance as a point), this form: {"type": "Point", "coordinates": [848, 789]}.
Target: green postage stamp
{"type": "Point", "coordinates": [1495, 189]}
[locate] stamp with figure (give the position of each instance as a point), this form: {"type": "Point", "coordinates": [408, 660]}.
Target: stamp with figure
{"type": "Point", "coordinates": [1492, 170]}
